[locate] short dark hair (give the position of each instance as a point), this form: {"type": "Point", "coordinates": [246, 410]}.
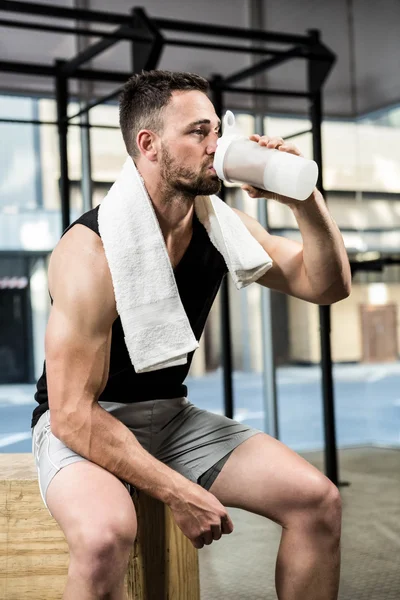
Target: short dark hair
{"type": "Point", "coordinates": [145, 95]}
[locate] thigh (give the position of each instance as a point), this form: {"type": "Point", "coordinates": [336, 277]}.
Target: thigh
{"type": "Point", "coordinates": [83, 497]}
{"type": "Point", "coordinates": [91, 506]}
{"type": "Point", "coordinates": [266, 477]}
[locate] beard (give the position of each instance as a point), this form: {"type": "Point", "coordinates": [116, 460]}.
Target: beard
{"type": "Point", "coordinates": [186, 181]}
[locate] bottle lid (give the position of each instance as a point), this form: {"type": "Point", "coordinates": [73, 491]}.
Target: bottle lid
{"type": "Point", "coordinates": [230, 133]}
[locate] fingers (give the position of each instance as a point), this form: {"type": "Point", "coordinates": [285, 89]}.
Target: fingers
{"type": "Point", "coordinates": [207, 537]}
{"type": "Point", "coordinates": [226, 524]}
{"type": "Point", "coordinates": [215, 533]}
{"type": "Point", "coordinates": [253, 192]}
{"type": "Point", "coordinates": [276, 143]}
{"type": "Point", "coordinates": [198, 543]}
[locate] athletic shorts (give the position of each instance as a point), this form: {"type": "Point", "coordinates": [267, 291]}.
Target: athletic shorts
{"type": "Point", "coordinates": [194, 442]}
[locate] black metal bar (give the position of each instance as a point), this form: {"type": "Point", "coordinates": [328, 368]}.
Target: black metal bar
{"type": "Point", "coordinates": [293, 135]}
{"type": "Point", "coordinates": [62, 12]}
{"type": "Point", "coordinates": [122, 35]}
{"type": "Point", "coordinates": [50, 71]}
{"type": "Point", "coordinates": [265, 92]}
{"type": "Point", "coordinates": [96, 49]}
{"type": "Point", "coordinates": [91, 105]}
{"type": "Point", "coordinates": [119, 34]}
{"type": "Point", "coordinates": [79, 14]}
{"type": "Point", "coordinates": [269, 63]}
{"type": "Point", "coordinates": [28, 317]}
{"type": "Point", "coordinates": [36, 122]}
{"type": "Point", "coordinates": [222, 47]}
{"type": "Point", "coordinates": [234, 32]}
{"type": "Point", "coordinates": [130, 34]}
{"type": "Point", "coordinates": [146, 55]}
{"type": "Point", "coordinates": [119, 76]}
{"type": "Point", "coordinates": [28, 122]}
{"type": "Point", "coordinates": [27, 68]}
{"type": "Point", "coordinates": [22, 253]}
{"type": "Point", "coordinates": [226, 342]}
{"type": "Point", "coordinates": [331, 462]}
{"type": "Point", "coordinates": [62, 107]}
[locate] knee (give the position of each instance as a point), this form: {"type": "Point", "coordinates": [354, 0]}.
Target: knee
{"type": "Point", "coordinates": [107, 543]}
{"type": "Point", "coordinates": [93, 549]}
{"type": "Point", "coordinates": [325, 509]}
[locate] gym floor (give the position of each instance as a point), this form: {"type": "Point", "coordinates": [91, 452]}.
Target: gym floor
{"type": "Point", "coordinates": [241, 566]}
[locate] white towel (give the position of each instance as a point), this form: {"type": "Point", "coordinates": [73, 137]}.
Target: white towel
{"type": "Point", "coordinates": [156, 328]}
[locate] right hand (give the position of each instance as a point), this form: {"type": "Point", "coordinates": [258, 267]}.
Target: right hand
{"type": "Point", "coordinates": [200, 516]}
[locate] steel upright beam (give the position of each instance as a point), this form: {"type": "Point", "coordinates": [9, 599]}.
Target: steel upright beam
{"type": "Point", "coordinates": [317, 73]}
{"type": "Point", "coordinates": [62, 108]}
{"type": "Point", "coordinates": [226, 341]}
{"type": "Point", "coordinates": [146, 55]}
{"type": "Point", "coordinates": [331, 462]}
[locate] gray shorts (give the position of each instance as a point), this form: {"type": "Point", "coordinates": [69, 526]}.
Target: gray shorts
{"type": "Point", "coordinates": [192, 441]}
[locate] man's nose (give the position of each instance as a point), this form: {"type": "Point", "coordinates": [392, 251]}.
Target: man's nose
{"type": "Point", "coordinates": [212, 146]}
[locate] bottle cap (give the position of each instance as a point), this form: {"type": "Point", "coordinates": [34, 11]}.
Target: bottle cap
{"type": "Point", "coordinates": [230, 133]}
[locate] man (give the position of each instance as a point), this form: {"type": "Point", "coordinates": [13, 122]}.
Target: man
{"type": "Point", "coordinates": [100, 426]}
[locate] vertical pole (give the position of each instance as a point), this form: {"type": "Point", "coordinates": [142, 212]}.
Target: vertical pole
{"type": "Point", "coordinates": [85, 92]}
{"type": "Point", "coordinates": [62, 108]}
{"type": "Point", "coordinates": [38, 155]}
{"type": "Point", "coordinates": [28, 315]}
{"type": "Point", "coordinates": [86, 164]}
{"type": "Point", "coordinates": [225, 308]}
{"type": "Point", "coordinates": [271, 424]}
{"type": "Point", "coordinates": [331, 463]}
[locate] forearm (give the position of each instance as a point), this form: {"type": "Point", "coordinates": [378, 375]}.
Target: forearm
{"type": "Point", "coordinates": [101, 438]}
{"type": "Point", "coordinates": [325, 260]}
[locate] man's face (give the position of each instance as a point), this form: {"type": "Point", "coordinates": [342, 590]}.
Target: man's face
{"type": "Point", "coordinates": [188, 143]}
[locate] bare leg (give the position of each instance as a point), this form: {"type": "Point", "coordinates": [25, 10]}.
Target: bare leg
{"type": "Point", "coordinates": [98, 518]}
{"type": "Point", "coordinates": [265, 477]}
{"type": "Point", "coordinates": [308, 563]}
{"type": "Point", "coordinates": [78, 588]}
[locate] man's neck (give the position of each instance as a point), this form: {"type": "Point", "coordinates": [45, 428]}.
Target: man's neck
{"type": "Point", "coordinates": [174, 210]}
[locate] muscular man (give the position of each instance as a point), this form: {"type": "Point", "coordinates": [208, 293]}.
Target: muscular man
{"type": "Point", "coordinates": [100, 427]}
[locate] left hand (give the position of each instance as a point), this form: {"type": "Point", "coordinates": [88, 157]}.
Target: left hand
{"type": "Point", "coordinates": [276, 143]}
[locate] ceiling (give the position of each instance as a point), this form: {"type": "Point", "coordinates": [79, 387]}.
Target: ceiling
{"type": "Point", "coordinates": [363, 34]}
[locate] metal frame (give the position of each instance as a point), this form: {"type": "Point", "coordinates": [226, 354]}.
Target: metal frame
{"type": "Point", "coordinates": [148, 40]}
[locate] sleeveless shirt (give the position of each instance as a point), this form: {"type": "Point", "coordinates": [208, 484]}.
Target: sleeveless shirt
{"type": "Point", "coordinates": [198, 277]}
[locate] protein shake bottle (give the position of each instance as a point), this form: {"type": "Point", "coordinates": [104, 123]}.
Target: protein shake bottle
{"type": "Point", "coordinates": [238, 159]}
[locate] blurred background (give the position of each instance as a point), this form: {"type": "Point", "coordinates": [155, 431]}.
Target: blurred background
{"type": "Point", "coordinates": [275, 339]}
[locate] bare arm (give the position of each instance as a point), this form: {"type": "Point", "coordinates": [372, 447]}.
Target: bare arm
{"type": "Point", "coordinates": [78, 341]}
{"type": "Point", "coordinates": [317, 270]}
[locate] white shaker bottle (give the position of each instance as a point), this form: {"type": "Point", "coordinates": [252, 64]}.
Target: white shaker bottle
{"type": "Point", "coordinates": [239, 159]}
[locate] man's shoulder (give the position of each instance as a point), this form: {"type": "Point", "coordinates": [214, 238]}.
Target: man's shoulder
{"type": "Point", "coordinates": [78, 256]}
{"type": "Point", "coordinates": [81, 240]}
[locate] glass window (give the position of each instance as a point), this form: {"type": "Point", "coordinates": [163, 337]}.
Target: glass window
{"type": "Point", "coordinates": [19, 169]}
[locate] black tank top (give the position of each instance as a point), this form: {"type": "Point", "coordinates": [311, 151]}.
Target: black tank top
{"type": "Point", "coordinates": [198, 278]}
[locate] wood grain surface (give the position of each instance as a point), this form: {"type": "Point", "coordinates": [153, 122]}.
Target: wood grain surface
{"type": "Point", "coordinates": [34, 555]}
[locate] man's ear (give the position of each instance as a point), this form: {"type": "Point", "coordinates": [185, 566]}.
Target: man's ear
{"type": "Point", "coordinates": [147, 143]}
